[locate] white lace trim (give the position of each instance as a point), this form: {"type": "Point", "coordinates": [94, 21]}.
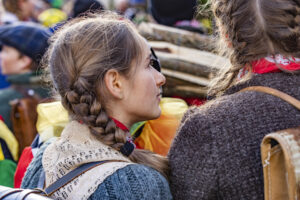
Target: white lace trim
{"type": "Point", "coordinates": [76, 147]}
{"type": "Point", "coordinates": [280, 59]}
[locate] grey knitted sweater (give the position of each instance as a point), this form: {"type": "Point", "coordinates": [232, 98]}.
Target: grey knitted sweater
{"type": "Point", "coordinates": [216, 153]}
{"type": "Point", "coordinates": [134, 182]}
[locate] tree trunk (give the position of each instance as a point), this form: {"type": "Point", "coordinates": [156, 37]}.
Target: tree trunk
{"type": "Point", "coordinates": [176, 36]}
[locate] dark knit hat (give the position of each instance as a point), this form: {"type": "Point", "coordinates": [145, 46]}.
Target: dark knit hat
{"type": "Point", "coordinates": [168, 12]}
{"type": "Point", "coordinates": [29, 38]}
{"type": "Point", "coordinates": [82, 6]}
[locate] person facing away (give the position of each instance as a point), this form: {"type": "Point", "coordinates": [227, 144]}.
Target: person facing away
{"type": "Point", "coordinates": [102, 69]}
{"type": "Point", "coordinates": [23, 44]}
{"type": "Point", "coordinates": [23, 10]}
{"type": "Point", "coordinates": [216, 153]}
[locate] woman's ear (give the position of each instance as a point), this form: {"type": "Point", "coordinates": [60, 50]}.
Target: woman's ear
{"type": "Point", "coordinates": [113, 83]}
{"type": "Point", "coordinates": [25, 62]}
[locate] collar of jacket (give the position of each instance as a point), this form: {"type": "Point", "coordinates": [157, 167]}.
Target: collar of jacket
{"type": "Point", "coordinates": [283, 81]}
{"type": "Point", "coordinates": [25, 78]}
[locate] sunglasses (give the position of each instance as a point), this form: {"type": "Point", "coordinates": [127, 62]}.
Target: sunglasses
{"type": "Point", "coordinates": [154, 61]}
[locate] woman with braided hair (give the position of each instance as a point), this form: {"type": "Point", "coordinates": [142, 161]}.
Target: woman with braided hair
{"type": "Point", "coordinates": [105, 74]}
{"type": "Point", "coordinates": [216, 153]}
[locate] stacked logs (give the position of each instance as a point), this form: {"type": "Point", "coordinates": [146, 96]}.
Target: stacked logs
{"type": "Point", "coordinates": [186, 59]}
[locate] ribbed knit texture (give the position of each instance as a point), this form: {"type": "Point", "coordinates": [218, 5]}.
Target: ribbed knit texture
{"type": "Point", "coordinates": [216, 154]}
{"type": "Point", "coordinates": [132, 182]}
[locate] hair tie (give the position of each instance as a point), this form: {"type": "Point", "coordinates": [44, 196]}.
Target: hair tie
{"type": "Point", "coordinates": [128, 147]}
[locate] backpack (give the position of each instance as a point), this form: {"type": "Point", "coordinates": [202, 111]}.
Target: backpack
{"type": "Point", "coordinates": [280, 155]}
{"type": "Point", "coordinates": [24, 116]}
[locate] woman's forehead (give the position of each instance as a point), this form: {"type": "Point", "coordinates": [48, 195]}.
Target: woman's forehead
{"type": "Point", "coordinates": [145, 48]}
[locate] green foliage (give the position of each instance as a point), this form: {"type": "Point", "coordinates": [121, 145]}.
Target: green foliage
{"type": "Point", "coordinates": [202, 2]}
{"type": "Point", "coordinates": [204, 14]}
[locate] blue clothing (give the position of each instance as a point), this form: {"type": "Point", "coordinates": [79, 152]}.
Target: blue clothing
{"type": "Point", "coordinates": [3, 82]}
{"type": "Point", "coordinates": [132, 182]}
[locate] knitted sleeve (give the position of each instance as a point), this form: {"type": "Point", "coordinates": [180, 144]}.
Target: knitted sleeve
{"type": "Point", "coordinates": [134, 182]}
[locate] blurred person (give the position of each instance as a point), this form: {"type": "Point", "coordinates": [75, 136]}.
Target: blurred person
{"type": "Point", "coordinates": [23, 45]}
{"type": "Point", "coordinates": [81, 7]}
{"type": "Point", "coordinates": [168, 12]}
{"type": "Point", "coordinates": [24, 10]}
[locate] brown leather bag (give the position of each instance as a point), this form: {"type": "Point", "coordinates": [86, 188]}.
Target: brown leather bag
{"type": "Point", "coordinates": [24, 116]}
{"type": "Point", "coordinates": [280, 155]}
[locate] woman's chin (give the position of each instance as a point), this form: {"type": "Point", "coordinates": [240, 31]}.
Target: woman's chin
{"type": "Point", "coordinates": [154, 115]}
{"type": "Point", "coordinates": [157, 114]}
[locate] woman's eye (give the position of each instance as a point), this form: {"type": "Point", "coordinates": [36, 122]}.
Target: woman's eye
{"type": "Point", "coordinates": [155, 64]}
{"type": "Point", "coordinates": [151, 63]}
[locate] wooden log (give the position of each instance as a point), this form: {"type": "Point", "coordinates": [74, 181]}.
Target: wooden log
{"type": "Point", "coordinates": [185, 91]}
{"type": "Point", "coordinates": [186, 77]}
{"type": "Point", "coordinates": [192, 61]}
{"type": "Point", "coordinates": [172, 82]}
{"type": "Point", "coordinates": [176, 36]}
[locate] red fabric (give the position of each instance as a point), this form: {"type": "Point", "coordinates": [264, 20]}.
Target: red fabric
{"type": "Point", "coordinates": [272, 64]}
{"type": "Point", "coordinates": [120, 125]}
{"type": "Point", "coordinates": [1, 118]}
{"type": "Point", "coordinates": [137, 146]}
{"type": "Point", "coordinates": [192, 101]}
{"type": "Point", "coordinates": [23, 163]}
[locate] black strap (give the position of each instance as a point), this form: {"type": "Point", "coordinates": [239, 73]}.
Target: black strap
{"type": "Point", "coordinates": [73, 174]}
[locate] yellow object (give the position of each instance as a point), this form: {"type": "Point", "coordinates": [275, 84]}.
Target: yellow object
{"type": "Point", "coordinates": [52, 118]}
{"type": "Point", "coordinates": [1, 154]}
{"type": "Point", "coordinates": [158, 134]}
{"type": "Point", "coordinates": [51, 17]}
{"type": "Point", "coordinates": [10, 140]}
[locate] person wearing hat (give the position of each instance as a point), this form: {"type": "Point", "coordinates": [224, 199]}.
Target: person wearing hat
{"type": "Point", "coordinates": [23, 45]}
{"type": "Point", "coordinates": [81, 7]}
{"type": "Point", "coordinates": [168, 12]}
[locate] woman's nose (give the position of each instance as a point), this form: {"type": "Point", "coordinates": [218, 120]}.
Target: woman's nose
{"type": "Point", "coordinates": [161, 79]}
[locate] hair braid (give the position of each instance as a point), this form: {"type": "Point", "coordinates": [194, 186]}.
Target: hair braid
{"type": "Point", "coordinates": [253, 30]}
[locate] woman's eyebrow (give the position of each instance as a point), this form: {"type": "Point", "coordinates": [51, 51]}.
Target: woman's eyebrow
{"type": "Point", "coordinates": [148, 58]}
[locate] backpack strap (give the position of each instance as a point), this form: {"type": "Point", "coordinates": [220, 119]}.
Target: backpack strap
{"type": "Point", "coordinates": [74, 174]}
{"type": "Point", "coordinates": [291, 100]}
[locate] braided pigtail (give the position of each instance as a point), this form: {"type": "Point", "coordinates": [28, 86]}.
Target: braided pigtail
{"type": "Point", "coordinates": [250, 30]}
{"type": "Point", "coordinates": [79, 56]}
{"type": "Point", "coordinates": [87, 109]}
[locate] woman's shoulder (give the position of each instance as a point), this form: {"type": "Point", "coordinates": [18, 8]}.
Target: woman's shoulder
{"type": "Point", "coordinates": [212, 108]}
{"type": "Point", "coordinates": [134, 181]}
{"type": "Point", "coordinates": [35, 168]}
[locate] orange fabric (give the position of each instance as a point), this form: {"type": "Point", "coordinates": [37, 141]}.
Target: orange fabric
{"type": "Point", "coordinates": [157, 135]}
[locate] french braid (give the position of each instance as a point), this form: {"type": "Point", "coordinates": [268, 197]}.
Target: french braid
{"type": "Point", "coordinates": [80, 54]}
{"type": "Point", "coordinates": [254, 29]}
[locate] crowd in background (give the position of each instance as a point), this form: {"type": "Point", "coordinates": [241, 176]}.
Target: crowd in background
{"type": "Point", "coordinates": [26, 26]}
